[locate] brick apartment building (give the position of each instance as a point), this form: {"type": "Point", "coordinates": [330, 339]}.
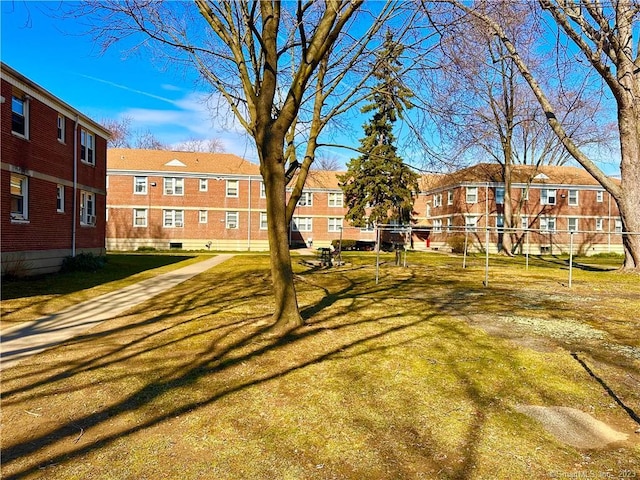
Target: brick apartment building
{"type": "Point", "coordinates": [195, 201]}
{"type": "Point", "coordinates": [53, 161]}
{"type": "Point", "coordinates": [168, 199]}
{"type": "Point", "coordinates": [547, 204]}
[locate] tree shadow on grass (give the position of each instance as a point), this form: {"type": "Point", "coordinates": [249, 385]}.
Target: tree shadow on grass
{"type": "Point", "coordinates": [198, 338]}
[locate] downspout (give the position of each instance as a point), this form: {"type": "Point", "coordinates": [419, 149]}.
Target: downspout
{"type": "Point", "coordinates": [249, 219]}
{"type": "Point", "coordinates": [75, 187]}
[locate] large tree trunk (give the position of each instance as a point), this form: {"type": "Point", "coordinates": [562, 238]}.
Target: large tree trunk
{"type": "Point", "coordinates": [629, 200]}
{"type": "Point", "coordinates": [286, 316]}
{"type": "Point", "coordinates": [507, 213]}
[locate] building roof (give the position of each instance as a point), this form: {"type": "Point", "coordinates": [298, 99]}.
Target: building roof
{"type": "Point", "coordinates": [492, 173]}
{"type": "Point", "coordinates": [130, 159]}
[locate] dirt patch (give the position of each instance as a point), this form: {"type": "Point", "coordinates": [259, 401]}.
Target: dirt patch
{"type": "Point", "coordinates": [573, 426]}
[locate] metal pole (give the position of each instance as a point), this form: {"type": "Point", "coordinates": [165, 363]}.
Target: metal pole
{"type": "Point", "coordinates": [570, 257]}
{"type": "Point", "coordinates": [377, 253]}
{"type": "Point", "coordinates": [340, 248]}
{"type": "Point", "coordinates": [486, 258]}
{"type": "Point", "coordinates": [526, 233]}
{"type": "Point", "coordinates": [464, 255]}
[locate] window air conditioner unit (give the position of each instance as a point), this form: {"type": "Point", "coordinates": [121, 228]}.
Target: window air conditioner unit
{"type": "Point", "coordinates": [91, 219]}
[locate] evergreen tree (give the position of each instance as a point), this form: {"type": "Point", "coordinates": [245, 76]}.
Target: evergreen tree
{"type": "Point", "coordinates": [378, 187]}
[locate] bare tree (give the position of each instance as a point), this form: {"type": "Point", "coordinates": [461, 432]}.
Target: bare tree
{"type": "Point", "coordinates": [200, 145]}
{"type": "Point", "coordinates": [148, 141]}
{"type": "Point", "coordinates": [284, 68]}
{"type": "Point", "coordinates": [120, 132]}
{"type": "Point", "coordinates": [484, 108]}
{"type": "Point", "coordinates": [604, 35]}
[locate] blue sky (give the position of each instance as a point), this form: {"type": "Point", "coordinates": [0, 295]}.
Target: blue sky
{"type": "Point", "coordinates": [52, 53]}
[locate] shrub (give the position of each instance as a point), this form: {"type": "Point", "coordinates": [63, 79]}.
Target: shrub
{"type": "Point", "coordinates": [347, 244]}
{"type": "Point", "coordinates": [456, 243]}
{"type": "Point", "coordinates": [15, 267]}
{"type": "Point", "coordinates": [83, 262]}
{"type": "Point", "coordinates": [146, 249]}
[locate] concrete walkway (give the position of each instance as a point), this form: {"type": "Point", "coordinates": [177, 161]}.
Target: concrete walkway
{"type": "Point", "coordinates": [20, 341]}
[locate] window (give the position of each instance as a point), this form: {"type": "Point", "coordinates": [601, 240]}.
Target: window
{"type": "Point", "coordinates": [524, 222]}
{"type": "Point", "coordinates": [306, 199]}
{"type": "Point", "coordinates": [428, 212]}
{"type": "Point", "coordinates": [524, 193]}
{"type": "Point", "coordinates": [19, 197]}
{"type": "Point", "coordinates": [573, 198]}
{"type": "Point", "coordinates": [449, 224]}
{"type": "Point", "coordinates": [173, 218]}
{"type": "Point", "coordinates": [20, 116]}
{"type": "Point", "coordinates": [139, 217]}
{"type": "Point", "coordinates": [61, 127]}
{"type": "Point", "coordinates": [599, 196]}
{"type": "Point", "coordinates": [472, 195]}
{"type": "Point", "coordinates": [203, 185]}
{"type": "Point", "coordinates": [335, 224]}
{"type": "Point", "coordinates": [437, 225]}
{"type": "Point", "coordinates": [302, 224]}
{"type": "Point", "coordinates": [499, 195]}
{"type": "Point", "coordinates": [232, 189]}
{"type": "Point", "coordinates": [548, 196]}
{"type": "Point", "coordinates": [173, 186]}
{"type": "Point", "coordinates": [500, 222]}
{"type": "Point", "coordinates": [202, 216]}
{"type": "Point", "coordinates": [450, 197]}
{"type": "Point", "coordinates": [263, 190]}
{"type": "Point", "coordinates": [60, 198]}
{"type": "Point", "coordinates": [369, 227]}
{"type": "Point", "coordinates": [618, 225]}
{"type": "Point", "coordinates": [232, 220]}
{"type": "Point", "coordinates": [87, 147]}
{"type": "Point", "coordinates": [140, 185]}
{"type": "Point", "coordinates": [572, 224]}
{"type": "Point", "coordinates": [87, 208]}
{"type": "Point", "coordinates": [548, 224]}
{"type": "Point", "coordinates": [335, 199]}
{"type": "Point", "coordinates": [599, 224]}
{"type": "Point", "coordinates": [471, 222]}
{"type": "Point", "coordinates": [437, 200]}
{"type": "Point", "coordinates": [263, 220]}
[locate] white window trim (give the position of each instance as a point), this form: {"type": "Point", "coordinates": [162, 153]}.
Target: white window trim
{"type": "Point", "coordinates": [335, 199]}
{"type": "Point", "coordinates": [524, 193]}
{"type": "Point", "coordinates": [501, 201]}
{"type": "Point", "coordinates": [577, 199]}
{"type": "Point", "coordinates": [203, 185]}
{"type": "Point", "coordinates": [544, 196]}
{"type": "Point", "coordinates": [229, 220]}
{"type": "Point", "coordinates": [61, 127]}
{"type": "Point", "coordinates": [599, 224]}
{"type": "Point", "coordinates": [174, 223]}
{"type": "Point", "coordinates": [600, 196]}
{"type": "Point", "coordinates": [449, 197]}
{"type": "Point", "coordinates": [468, 195]}
{"type": "Point", "coordinates": [471, 227]}
{"type": "Point", "coordinates": [24, 187]}
{"type": "Point", "coordinates": [308, 199]}
{"type": "Point", "coordinates": [577, 226]}
{"type": "Point", "coordinates": [87, 216]}
{"type": "Point", "coordinates": [263, 190]}
{"type": "Point", "coordinates": [146, 185]}
{"type": "Point", "coordinates": [177, 183]}
{"type": "Point", "coordinates": [87, 147]}
{"type": "Point", "coordinates": [60, 198]}
{"type": "Point", "coordinates": [334, 224]}
{"type": "Point", "coordinates": [203, 216]}
{"type": "Point", "coordinates": [263, 221]}
{"type": "Point", "coordinates": [544, 224]}
{"type": "Point", "coordinates": [617, 225]}
{"type": "Point", "coordinates": [228, 189]}
{"type": "Point", "coordinates": [437, 225]}
{"type": "Point", "coordinates": [144, 217]}
{"type": "Point", "coordinates": [25, 116]}
{"type": "Point", "coordinates": [307, 224]}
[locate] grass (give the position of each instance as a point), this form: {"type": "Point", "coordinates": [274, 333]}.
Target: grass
{"type": "Point", "coordinates": [418, 376]}
{"type": "Point", "coordinates": [29, 298]}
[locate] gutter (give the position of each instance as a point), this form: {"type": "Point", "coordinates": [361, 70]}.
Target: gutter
{"type": "Point", "coordinates": [75, 187]}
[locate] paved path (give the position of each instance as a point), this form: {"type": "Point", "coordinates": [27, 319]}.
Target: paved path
{"type": "Point", "coordinates": [20, 341]}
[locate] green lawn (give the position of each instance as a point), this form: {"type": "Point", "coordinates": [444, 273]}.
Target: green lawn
{"type": "Point", "coordinates": [418, 376]}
